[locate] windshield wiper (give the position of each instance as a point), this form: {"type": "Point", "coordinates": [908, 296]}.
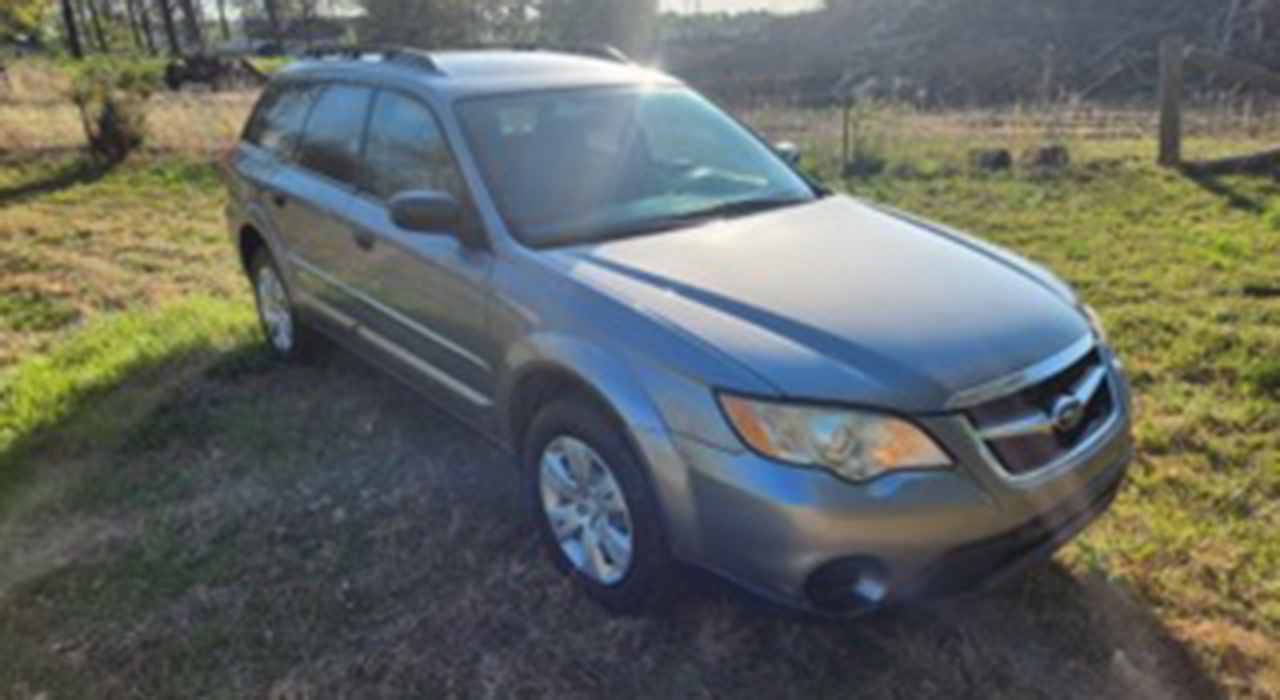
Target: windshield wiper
{"type": "Point", "coordinates": [672, 222]}
{"type": "Point", "coordinates": [744, 207]}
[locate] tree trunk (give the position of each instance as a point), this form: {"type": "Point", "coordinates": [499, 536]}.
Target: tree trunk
{"type": "Point", "coordinates": [170, 29]}
{"type": "Point", "coordinates": [134, 30]}
{"type": "Point", "coordinates": [144, 20]}
{"type": "Point", "coordinates": [273, 19]}
{"type": "Point", "coordinates": [222, 20]}
{"type": "Point", "coordinates": [72, 29]}
{"type": "Point", "coordinates": [86, 27]}
{"type": "Point", "coordinates": [192, 17]}
{"type": "Point", "coordinates": [98, 32]}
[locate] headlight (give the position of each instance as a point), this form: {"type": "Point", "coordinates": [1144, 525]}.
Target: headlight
{"type": "Point", "coordinates": [1095, 322]}
{"type": "Point", "coordinates": [856, 445]}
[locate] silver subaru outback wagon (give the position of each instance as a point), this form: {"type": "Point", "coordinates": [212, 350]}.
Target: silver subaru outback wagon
{"type": "Point", "coordinates": [697, 355]}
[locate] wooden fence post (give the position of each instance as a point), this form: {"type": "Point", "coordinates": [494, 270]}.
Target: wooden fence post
{"type": "Point", "coordinates": [846, 140]}
{"type": "Point", "coordinates": [1172, 69]}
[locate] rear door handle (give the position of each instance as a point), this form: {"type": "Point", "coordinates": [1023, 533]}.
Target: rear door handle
{"type": "Point", "coordinates": [364, 240]}
{"type": "Point", "coordinates": [280, 200]}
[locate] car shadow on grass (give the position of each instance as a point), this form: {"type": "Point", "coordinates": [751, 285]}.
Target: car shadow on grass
{"type": "Point", "coordinates": [323, 532]}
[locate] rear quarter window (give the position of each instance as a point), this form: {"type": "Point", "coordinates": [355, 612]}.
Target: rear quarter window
{"type": "Point", "coordinates": [331, 140]}
{"type": "Point", "coordinates": [277, 122]}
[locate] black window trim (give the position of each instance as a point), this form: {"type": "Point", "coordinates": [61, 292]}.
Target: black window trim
{"type": "Point", "coordinates": [258, 112]}
{"type": "Point", "coordinates": [321, 85]}
{"type": "Point", "coordinates": [363, 191]}
{"type": "Point", "coordinates": [468, 200]}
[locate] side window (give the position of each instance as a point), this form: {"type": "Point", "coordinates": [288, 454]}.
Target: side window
{"type": "Point", "coordinates": [406, 150]}
{"type": "Point", "coordinates": [331, 140]}
{"type": "Point", "coordinates": [277, 123]}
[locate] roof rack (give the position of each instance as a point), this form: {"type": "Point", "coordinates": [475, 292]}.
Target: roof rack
{"type": "Point", "coordinates": [414, 58]}
{"type": "Point", "coordinates": [601, 51]}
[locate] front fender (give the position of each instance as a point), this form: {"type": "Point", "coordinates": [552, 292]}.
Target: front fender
{"type": "Point", "coordinates": [605, 373]}
{"type": "Point", "coordinates": [653, 404]}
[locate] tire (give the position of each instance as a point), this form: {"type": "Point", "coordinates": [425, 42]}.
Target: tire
{"type": "Point", "coordinates": [285, 334]}
{"type": "Point", "coordinates": [647, 580]}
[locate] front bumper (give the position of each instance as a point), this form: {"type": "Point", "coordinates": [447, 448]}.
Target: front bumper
{"type": "Point", "coordinates": [786, 533]}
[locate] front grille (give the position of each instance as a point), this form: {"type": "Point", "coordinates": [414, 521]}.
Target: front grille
{"type": "Point", "coordinates": [1020, 428]}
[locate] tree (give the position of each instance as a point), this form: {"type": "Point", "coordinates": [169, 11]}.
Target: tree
{"type": "Point", "coordinates": [222, 20]}
{"type": "Point", "coordinates": [144, 21]}
{"type": "Point", "coordinates": [21, 17]}
{"type": "Point", "coordinates": [272, 8]}
{"type": "Point", "coordinates": [191, 14]}
{"type": "Point", "coordinates": [72, 29]}
{"type": "Point", "coordinates": [626, 24]}
{"type": "Point", "coordinates": [99, 29]}
{"type": "Point", "coordinates": [423, 23]}
{"type": "Point", "coordinates": [170, 27]}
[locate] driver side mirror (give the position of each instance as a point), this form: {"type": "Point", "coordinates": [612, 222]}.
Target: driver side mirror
{"type": "Point", "coordinates": [788, 151]}
{"type": "Point", "coordinates": [425, 211]}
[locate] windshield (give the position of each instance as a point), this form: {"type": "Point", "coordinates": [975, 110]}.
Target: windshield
{"type": "Point", "coordinates": [590, 165]}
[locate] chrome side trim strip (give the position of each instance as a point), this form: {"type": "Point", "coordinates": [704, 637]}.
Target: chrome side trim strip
{"type": "Point", "coordinates": [334, 315]}
{"type": "Point", "coordinates": [1018, 380]}
{"type": "Point", "coordinates": [425, 368]}
{"type": "Point", "coordinates": [392, 313]}
{"type": "Point", "coordinates": [418, 364]}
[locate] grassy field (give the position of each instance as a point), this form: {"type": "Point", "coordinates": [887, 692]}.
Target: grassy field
{"type": "Point", "coordinates": [181, 516]}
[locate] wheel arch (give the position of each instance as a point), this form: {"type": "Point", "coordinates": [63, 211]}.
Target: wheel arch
{"type": "Point", "coordinates": [253, 231]}
{"type": "Point", "coordinates": [539, 381]}
{"type": "Point", "coordinates": [248, 242]}
{"type": "Point", "coordinates": [550, 366]}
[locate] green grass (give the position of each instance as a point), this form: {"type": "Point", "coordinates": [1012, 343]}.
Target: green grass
{"type": "Point", "coordinates": [76, 242]}
{"type": "Point", "coordinates": [1169, 265]}
{"type": "Point", "coordinates": [182, 517]}
{"type": "Point", "coordinates": [136, 346]}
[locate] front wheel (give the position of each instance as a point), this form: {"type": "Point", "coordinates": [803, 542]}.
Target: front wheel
{"type": "Point", "coordinates": [595, 512]}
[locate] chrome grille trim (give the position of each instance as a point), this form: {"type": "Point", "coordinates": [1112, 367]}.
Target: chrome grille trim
{"type": "Point", "coordinates": [1013, 383]}
{"type": "Point", "coordinates": [1039, 422]}
{"type": "Point", "coordinates": [1049, 422]}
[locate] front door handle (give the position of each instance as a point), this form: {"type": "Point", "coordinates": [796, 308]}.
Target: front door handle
{"type": "Point", "coordinates": [364, 240]}
{"type": "Point", "coordinates": [280, 200]}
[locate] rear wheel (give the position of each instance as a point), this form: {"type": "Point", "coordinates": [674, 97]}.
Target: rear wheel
{"type": "Point", "coordinates": [595, 512]}
{"type": "Point", "coordinates": [287, 337]}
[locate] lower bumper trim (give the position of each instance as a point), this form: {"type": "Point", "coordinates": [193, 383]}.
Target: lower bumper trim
{"type": "Point", "coordinates": [989, 563]}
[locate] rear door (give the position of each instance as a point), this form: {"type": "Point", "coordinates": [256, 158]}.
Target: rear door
{"type": "Point", "coordinates": [269, 144]}
{"type": "Point", "coordinates": [427, 292]}
{"type": "Point", "coordinates": [313, 194]}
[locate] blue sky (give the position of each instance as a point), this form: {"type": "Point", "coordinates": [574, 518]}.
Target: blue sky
{"type": "Point", "coordinates": [739, 5]}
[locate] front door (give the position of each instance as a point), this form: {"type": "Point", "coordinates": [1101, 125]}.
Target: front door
{"type": "Point", "coordinates": [426, 292]}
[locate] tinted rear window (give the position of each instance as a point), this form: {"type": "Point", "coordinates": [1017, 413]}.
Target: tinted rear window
{"type": "Point", "coordinates": [331, 141]}
{"type": "Point", "coordinates": [277, 123]}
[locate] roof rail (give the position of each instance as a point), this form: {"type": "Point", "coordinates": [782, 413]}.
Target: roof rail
{"type": "Point", "coordinates": [414, 58]}
{"type": "Point", "coordinates": [601, 51]}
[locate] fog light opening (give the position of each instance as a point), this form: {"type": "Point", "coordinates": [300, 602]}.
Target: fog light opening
{"type": "Point", "coordinates": [850, 585]}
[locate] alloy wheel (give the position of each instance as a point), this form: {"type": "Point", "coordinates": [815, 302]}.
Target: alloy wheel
{"type": "Point", "coordinates": [586, 509]}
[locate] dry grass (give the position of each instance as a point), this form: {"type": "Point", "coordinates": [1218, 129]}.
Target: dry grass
{"type": "Point", "coordinates": [76, 241]}
{"type": "Point", "coordinates": [193, 125]}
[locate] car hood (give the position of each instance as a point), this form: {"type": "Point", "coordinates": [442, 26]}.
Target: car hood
{"type": "Point", "coordinates": [839, 300]}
